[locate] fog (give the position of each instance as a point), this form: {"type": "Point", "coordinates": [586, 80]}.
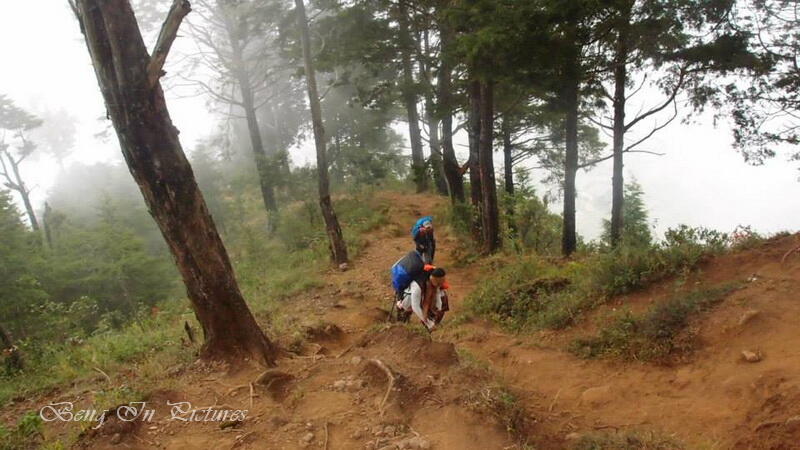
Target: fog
{"type": "Point", "coordinates": [699, 181]}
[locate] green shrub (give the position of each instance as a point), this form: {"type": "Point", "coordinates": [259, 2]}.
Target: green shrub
{"type": "Point", "coordinates": [627, 267]}
{"type": "Point", "coordinates": [49, 364]}
{"type": "Point", "coordinates": [623, 269]}
{"type": "Point", "coordinates": [532, 293]}
{"type": "Point", "coordinates": [515, 293]}
{"type": "Point", "coordinates": [654, 336]}
{"type": "Point", "coordinates": [26, 434]}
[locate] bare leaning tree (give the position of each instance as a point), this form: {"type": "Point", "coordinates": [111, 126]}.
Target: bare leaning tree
{"type": "Point", "coordinates": [129, 80]}
{"type": "Point", "coordinates": [17, 122]}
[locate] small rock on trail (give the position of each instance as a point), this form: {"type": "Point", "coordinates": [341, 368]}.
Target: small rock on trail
{"type": "Point", "coordinates": [751, 357]}
{"type": "Point", "coordinates": [597, 396]}
{"type": "Point", "coordinates": [747, 316]}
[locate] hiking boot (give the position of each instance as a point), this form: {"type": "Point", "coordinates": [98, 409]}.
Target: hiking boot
{"type": "Point", "coordinates": [403, 316]}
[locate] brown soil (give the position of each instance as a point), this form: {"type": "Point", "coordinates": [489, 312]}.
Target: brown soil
{"type": "Point", "coordinates": [333, 393]}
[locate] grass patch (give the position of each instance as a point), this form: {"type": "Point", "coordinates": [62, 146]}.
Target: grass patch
{"type": "Point", "coordinates": [150, 344]}
{"type": "Point", "coordinates": [274, 268]}
{"type": "Point", "coordinates": [467, 360]}
{"type": "Point", "coordinates": [627, 441]}
{"type": "Point", "coordinates": [500, 403]}
{"type": "Point", "coordinates": [26, 434]}
{"type": "Point", "coordinates": [269, 268]}
{"type": "Point", "coordinates": [518, 294]}
{"type": "Point", "coordinates": [658, 334]}
{"type": "Point", "coordinates": [528, 292]}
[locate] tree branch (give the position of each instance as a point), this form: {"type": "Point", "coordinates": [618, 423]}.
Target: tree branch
{"type": "Point", "coordinates": [607, 157]}
{"type": "Point", "coordinates": [654, 130]}
{"type": "Point", "coordinates": [670, 99]}
{"type": "Point", "coordinates": [169, 31]}
{"type": "Point", "coordinates": [599, 123]}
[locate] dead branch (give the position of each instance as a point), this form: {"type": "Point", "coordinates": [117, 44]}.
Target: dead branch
{"type": "Point", "coordinates": [251, 395]}
{"type": "Point", "coordinates": [325, 446]}
{"type": "Point", "coordinates": [108, 378]}
{"type": "Point", "coordinates": [234, 389]}
{"type": "Point", "coordinates": [390, 385]}
{"type": "Point", "coordinates": [167, 35]}
{"type": "Point", "coordinates": [241, 438]}
{"type": "Point", "coordinates": [617, 427]}
{"type": "Point", "coordinates": [346, 351]}
{"type": "Point", "coordinates": [553, 403]}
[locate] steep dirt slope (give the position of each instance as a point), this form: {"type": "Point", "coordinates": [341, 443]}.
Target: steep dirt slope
{"type": "Point", "coordinates": [716, 400]}
{"type": "Point", "coordinates": [332, 392]}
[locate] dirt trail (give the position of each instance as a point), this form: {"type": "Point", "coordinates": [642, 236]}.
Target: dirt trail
{"type": "Point", "coordinates": [333, 396]}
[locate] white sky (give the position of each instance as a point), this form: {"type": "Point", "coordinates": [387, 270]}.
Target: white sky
{"type": "Point", "coordinates": [700, 181]}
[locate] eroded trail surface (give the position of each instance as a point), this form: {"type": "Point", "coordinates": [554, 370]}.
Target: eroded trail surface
{"type": "Point", "coordinates": [357, 383]}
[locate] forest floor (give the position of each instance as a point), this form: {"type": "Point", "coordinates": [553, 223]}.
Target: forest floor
{"type": "Point", "coordinates": [357, 382]}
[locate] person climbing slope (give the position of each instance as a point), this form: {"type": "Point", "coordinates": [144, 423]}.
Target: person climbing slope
{"type": "Point", "coordinates": [427, 298]}
{"type": "Point", "coordinates": [420, 288]}
{"type": "Point", "coordinates": [424, 241]}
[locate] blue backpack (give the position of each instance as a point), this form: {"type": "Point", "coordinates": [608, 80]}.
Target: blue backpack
{"type": "Point", "coordinates": [405, 270]}
{"type": "Point", "coordinates": [418, 225]}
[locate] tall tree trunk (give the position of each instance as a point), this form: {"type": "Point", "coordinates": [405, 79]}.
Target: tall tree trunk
{"type": "Point", "coordinates": [490, 217]}
{"type": "Point", "coordinates": [248, 104]}
{"type": "Point", "coordinates": [508, 162]}
{"type": "Point", "coordinates": [128, 79]}
{"type": "Point", "coordinates": [452, 170]}
{"type": "Point", "coordinates": [508, 173]}
{"type": "Point", "coordinates": [13, 359]}
{"type": "Point", "coordinates": [259, 153]}
{"type": "Point", "coordinates": [48, 235]}
{"type": "Point", "coordinates": [476, 193]}
{"type": "Point", "coordinates": [569, 238]}
{"type": "Point", "coordinates": [432, 118]}
{"type": "Point", "coordinates": [337, 244]}
{"type": "Point", "coordinates": [338, 174]}
{"type": "Point", "coordinates": [418, 168]}
{"type": "Point", "coordinates": [26, 200]}
{"type": "Point", "coordinates": [620, 79]}
{"type": "Point", "coordinates": [437, 166]}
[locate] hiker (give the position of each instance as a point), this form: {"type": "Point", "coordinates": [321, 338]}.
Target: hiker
{"type": "Point", "coordinates": [421, 289]}
{"type": "Point", "coordinates": [427, 298]}
{"type": "Point", "coordinates": [422, 233]}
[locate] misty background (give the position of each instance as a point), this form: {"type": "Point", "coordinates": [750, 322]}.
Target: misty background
{"type": "Point", "coordinates": [49, 73]}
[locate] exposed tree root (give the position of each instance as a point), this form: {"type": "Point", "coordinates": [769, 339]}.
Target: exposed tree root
{"type": "Point", "coordinates": [234, 389]}
{"type": "Point", "coordinates": [786, 256]}
{"type": "Point", "coordinates": [346, 351]}
{"type": "Point", "coordinates": [270, 376]}
{"type": "Point", "coordinates": [378, 363]}
{"type": "Point", "coordinates": [553, 403]}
